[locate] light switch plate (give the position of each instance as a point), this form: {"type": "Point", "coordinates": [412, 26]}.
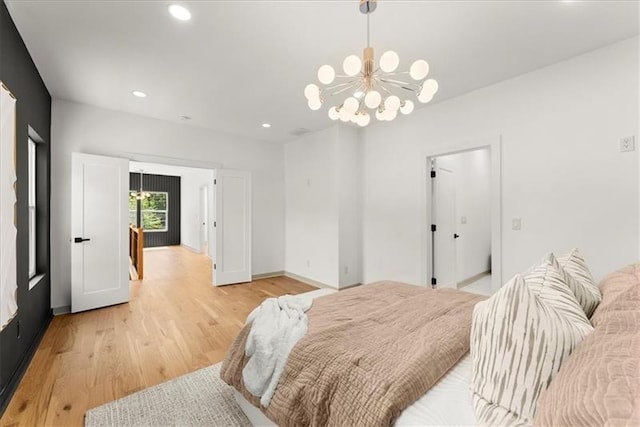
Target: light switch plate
{"type": "Point", "coordinates": [463, 220]}
{"type": "Point", "coordinates": [516, 224]}
{"type": "Point", "coordinates": [628, 143]}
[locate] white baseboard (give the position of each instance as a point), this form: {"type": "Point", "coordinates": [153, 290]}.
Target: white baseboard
{"type": "Point", "coordinates": [308, 281]}
{"type": "Point", "coordinates": [267, 275]}
{"type": "Point", "coordinates": [353, 285]}
{"type": "Point", "coordinates": [189, 248]}
{"type": "Point", "coordinates": [65, 309]}
{"type": "Point", "coordinates": [475, 277]}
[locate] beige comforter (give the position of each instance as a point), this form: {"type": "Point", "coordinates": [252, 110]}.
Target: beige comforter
{"type": "Point", "coordinates": [599, 385]}
{"type": "Point", "coordinates": [369, 353]}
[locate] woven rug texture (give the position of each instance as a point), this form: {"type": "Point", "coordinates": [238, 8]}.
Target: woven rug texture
{"type": "Point", "coordinates": [200, 398]}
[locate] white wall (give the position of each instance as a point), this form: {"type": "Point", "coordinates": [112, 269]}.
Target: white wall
{"type": "Point", "coordinates": [311, 206]}
{"type": "Point", "coordinates": [349, 190]}
{"type": "Point", "coordinates": [562, 171]}
{"type": "Point", "coordinates": [82, 128]}
{"type": "Point", "coordinates": [472, 172]}
{"type": "Point", "coordinates": [191, 182]}
{"type": "Point", "coordinates": [191, 193]}
{"type": "Point", "coordinates": [323, 181]}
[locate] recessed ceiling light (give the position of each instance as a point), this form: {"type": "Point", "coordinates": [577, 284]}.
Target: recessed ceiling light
{"type": "Point", "coordinates": [179, 12]}
{"type": "Point", "coordinates": [184, 118]}
{"type": "Point", "coordinates": [266, 125]}
{"type": "Point", "coordinates": [139, 94]}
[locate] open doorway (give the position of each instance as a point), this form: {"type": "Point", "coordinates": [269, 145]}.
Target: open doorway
{"type": "Point", "coordinates": [213, 217]}
{"type": "Point", "coordinates": [168, 220]}
{"type": "Point", "coordinates": [103, 212]}
{"type": "Point", "coordinates": [463, 217]}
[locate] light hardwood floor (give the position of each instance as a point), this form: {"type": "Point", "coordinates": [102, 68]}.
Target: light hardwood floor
{"type": "Point", "coordinates": [175, 323]}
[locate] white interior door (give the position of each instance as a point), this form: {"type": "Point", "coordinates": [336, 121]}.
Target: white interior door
{"type": "Point", "coordinates": [444, 217]}
{"type": "Point", "coordinates": [232, 263]}
{"type": "Point", "coordinates": [99, 231]}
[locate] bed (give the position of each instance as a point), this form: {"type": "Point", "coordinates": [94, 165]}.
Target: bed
{"type": "Point", "coordinates": [419, 366]}
{"type": "Point", "coordinates": [448, 402]}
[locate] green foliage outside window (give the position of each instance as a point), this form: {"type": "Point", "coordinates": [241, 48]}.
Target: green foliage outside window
{"type": "Point", "coordinates": [154, 210]}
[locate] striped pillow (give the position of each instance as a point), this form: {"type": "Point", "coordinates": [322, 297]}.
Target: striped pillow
{"type": "Point", "coordinates": [519, 339]}
{"type": "Point", "coordinates": [550, 281]}
{"type": "Point", "coordinates": [589, 296]}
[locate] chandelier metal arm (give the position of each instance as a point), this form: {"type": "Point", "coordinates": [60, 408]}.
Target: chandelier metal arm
{"type": "Point", "coordinates": [396, 73]}
{"type": "Point", "coordinates": [401, 85]}
{"type": "Point", "coordinates": [400, 82]}
{"type": "Point", "coordinates": [329, 88]}
{"type": "Point", "coordinates": [338, 92]}
{"type": "Point", "coordinates": [384, 88]}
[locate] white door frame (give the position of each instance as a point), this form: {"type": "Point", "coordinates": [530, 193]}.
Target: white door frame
{"type": "Point", "coordinates": [204, 231]}
{"type": "Point", "coordinates": [495, 145]}
{"type": "Point", "coordinates": [440, 171]}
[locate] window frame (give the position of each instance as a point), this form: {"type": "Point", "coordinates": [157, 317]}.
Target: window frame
{"type": "Point", "coordinates": [165, 211]}
{"type": "Point", "coordinates": [32, 168]}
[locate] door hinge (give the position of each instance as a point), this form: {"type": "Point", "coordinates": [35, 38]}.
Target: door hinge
{"type": "Point", "coordinates": [434, 281]}
{"type": "Point", "coordinates": [214, 224]}
{"type": "Point", "coordinates": [433, 174]}
{"type": "Point", "coordinates": [433, 228]}
{"type": "Point", "coordinates": [215, 181]}
{"type": "Point", "coordinates": [214, 266]}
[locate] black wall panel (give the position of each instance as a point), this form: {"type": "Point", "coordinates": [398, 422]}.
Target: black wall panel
{"type": "Point", "coordinates": [20, 338]}
{"type": "Point", "coordinates": [171, 185]}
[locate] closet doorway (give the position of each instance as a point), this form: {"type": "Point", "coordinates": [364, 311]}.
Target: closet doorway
{"type": "Point", "coordinates": [463, 217]}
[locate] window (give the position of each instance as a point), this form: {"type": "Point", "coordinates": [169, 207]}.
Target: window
{"type": "Point", "coordinates": [133, 209]}
{"type": "Point", "coordinates": [154, 211]}
{"type": "Point", "coordinates": [32, 209]}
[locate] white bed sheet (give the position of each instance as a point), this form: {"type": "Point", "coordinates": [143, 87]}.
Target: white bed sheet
{"type": "Point", "coordinates": [448, 403]}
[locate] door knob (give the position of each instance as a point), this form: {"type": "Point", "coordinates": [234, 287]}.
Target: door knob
{"type": "Point", "coordinates": [456, 235]}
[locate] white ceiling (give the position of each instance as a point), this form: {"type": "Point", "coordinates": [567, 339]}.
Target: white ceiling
{"type": "Point", "coordinates": [238, 64]}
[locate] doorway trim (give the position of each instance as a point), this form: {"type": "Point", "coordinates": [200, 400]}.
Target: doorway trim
{"type": "Point", "coordinates": [494, 144]}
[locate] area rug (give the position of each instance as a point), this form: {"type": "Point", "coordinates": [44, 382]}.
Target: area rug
{"type": "Point", "coordinates": [200, 398]}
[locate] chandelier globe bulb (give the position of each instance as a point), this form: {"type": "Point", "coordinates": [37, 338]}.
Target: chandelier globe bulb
{"type": "Point", "coordinates": [326, 74]}
{"type": "Point", "coordinates": [352, 65]}
{"type": "Point", "coordinates": [372, 99]}
{"type": "Point", "coordinates": [407, 107]}
{"type": "Point", "coordinates": [419, 69]}
{"type": "Point", "coordinates": [333, 113]}
{"type": "Point", "coordinates": [389, 61]}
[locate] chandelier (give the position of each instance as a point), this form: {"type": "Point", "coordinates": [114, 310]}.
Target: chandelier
{"type": "Point", "coordinates": [140, 195]}
{"type": "Point", "coordinates": [364, 87]}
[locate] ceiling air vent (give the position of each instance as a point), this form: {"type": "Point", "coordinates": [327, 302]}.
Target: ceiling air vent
{"type": "Point", "coordinates": [300, 131]}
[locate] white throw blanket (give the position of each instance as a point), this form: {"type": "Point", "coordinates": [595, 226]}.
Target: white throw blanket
{"type": "Point", "coordinates": [277, 325]}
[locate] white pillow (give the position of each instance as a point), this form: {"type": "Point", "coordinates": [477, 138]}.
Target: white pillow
{"type": "Point", "coordinates": [589, 296]}
{"type": "Point", "coordinates": [550, 280]}
{"type": "Point", "coordinates": [519, 339]}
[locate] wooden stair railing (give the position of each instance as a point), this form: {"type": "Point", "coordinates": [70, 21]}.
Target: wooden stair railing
{"type": "Point", "coordinates": [136, 246]}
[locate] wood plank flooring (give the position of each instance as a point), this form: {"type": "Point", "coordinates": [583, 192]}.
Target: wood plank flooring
{"type": "Point", "coordinates": [175, 323]}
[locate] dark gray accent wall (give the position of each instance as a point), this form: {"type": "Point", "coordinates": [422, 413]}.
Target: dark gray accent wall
{"type": "Point", "coordinates": [19, 340]}
{"type": "Point", "coordinates": [171, 185]}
